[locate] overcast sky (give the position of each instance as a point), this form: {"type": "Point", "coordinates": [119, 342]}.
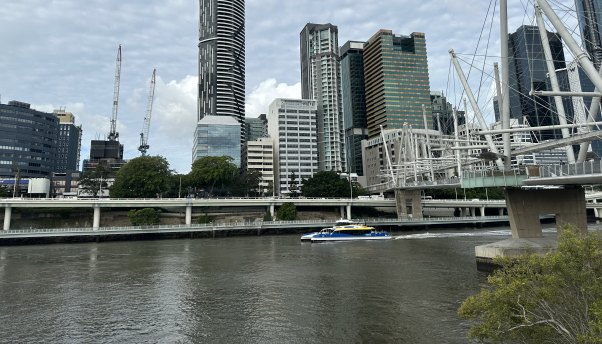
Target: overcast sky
{"type": "Point", "coordinates": [61, 54]}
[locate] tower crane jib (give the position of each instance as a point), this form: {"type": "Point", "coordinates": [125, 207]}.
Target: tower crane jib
{"type": "Point", "coordinates": [149, 109]}
{"type": "Point", "coordinates": [113, 134]}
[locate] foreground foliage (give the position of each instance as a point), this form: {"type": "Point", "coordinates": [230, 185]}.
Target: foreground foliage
{"type": "Point", "coordinates": [144, 217]}
{"type": "Point", "coordinates": [556, 298]}
{"type": "Point", "coordinates": [330, 184]}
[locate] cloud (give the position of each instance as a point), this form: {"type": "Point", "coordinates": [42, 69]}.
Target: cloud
{"type": "Point", "coordinates": [262, 96]}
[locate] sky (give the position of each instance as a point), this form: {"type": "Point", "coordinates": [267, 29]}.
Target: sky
{"type": "Point", "coordinates": [61, 54]}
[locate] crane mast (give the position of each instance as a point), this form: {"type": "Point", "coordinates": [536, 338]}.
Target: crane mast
{"type": "Point", "coordinates": [113, 134]}
{"type": "Point", "coordinates": [149, 109]}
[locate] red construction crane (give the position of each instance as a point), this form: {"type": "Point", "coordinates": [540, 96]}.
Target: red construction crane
{"type": "Point", "coordinates": [149, 109]}
{"type": "Point", "coordinates": [113, 134]}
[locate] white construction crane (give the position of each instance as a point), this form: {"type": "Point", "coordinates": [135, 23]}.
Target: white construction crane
{"type": "Point", "coordinates": [149, 109]}
{"type": "Point", "coordinates": [113, 134]}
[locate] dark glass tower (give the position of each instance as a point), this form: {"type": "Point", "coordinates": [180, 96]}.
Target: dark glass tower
{"type": "Point", "coordinates": [354, 104]}
{"type": "Point", "coordinates": [397, 81]}
{"type": "Point", "coordinates": [589, 14]}
{"type": "Point", "coordinates": [528, 71]}
{"type": "Point", "coordinates": [222, 60]}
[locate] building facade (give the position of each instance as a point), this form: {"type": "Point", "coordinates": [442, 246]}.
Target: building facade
{"type": "Point", "coordinates": [256, 127]}
{"type": "Point", "coordinates": [221, 61]}
{"type": "Point", "coordinates": [589, 15]}
{"type": "Point", "coordinates": [28, 141]}
{"type": "Point", "coordinates": [396, 81]}
{"type": "Point", "coordinates": [321, 81]}
{"type": "Point", "coordinates": [354, 104]}
{"type": "Point", "coordinates": [69, 143]}
{"type": "Point", "coordinates": [217, 136]}
{"type": "Point", "coordinates": [443, 114]}
{"type": "Point", "coordinates": [528, 71]}
{"type": "Point", "coordinates": [260, 158]}
{"type": "Point", "coordinates": [292, 126]}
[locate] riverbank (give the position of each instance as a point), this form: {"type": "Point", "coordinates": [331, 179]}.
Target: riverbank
{"type": "Point", "coordinates": [217, 230]}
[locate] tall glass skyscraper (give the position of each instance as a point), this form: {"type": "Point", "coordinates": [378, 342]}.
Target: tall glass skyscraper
{"type": "Point", "coordinates": [218, 136]}
{"type": "Point", "coordinates": [528, 71]}
{"type": "Point", "coordinates": [397, 81]}
{"type": "Point", "coordinates": [589, 14]}
{"type": "Point", "coordinates": [321, 81]}
{"type": "Point", "coordinates": [354, 104]}
{"type": "Point", "coordinates": [222, 60]}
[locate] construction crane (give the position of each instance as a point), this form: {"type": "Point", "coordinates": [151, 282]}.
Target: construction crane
{"type": "Point", "coordinates": [149, 110]}
{"type": "Point", "coordinates": [113, 134]}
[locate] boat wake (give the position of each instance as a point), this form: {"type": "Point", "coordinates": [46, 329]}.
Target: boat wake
{"type": "Point", "coordinates": [428, 235]}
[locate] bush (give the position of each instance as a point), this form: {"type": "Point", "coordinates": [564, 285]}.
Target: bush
{"type": "Point", "coordinates": [144, 217]}
{"type": "Point", "coordinates": [287, 212]}
{"type": "Point", "coordinates": [204, 219]}
{"type": "Point", "coordinates": [267, 217]}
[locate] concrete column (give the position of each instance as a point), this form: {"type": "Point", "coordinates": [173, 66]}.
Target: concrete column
{"type": "Point", "coordinates": [472, 211]}
{"type": "Point", "coordinates": [482, 211]}
{"type": "Point", "coordinates": [405, 197]}
{"type": "Point", "coordinates": [7, 214]}
{"type": "Point", "coordinates": [96, 222]}
{"type": "Point", "coordinates": [596, 213]}
{"type": "Point", "coordinates": [188, 214]}
{"type": "Point", "coordinates": [348, 211]}
{"type": "Point", "coordinates": [342, 211]}
{"type": "Point", "coordinates": [501, 210]}
{"type": "Point", "coordinates": [272, 211]}
{"type": "Point", "coordinates": [400, 204]}
{"type": "Point", "coordinates": [525, 207]}
{"type": "Point", "coordinates": [462, 212]}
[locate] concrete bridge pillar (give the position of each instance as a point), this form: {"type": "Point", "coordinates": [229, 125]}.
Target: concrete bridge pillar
{"type": "Point", "coordinates": [482, 211]}
{"type": "Point", "coordinates": [272, 210]}
{"type": "Point", "coordinates": [525, 207]}
{"type": "Point", "coordinates": [188, 214]}
{"type": "Point", "coordinates": [501, 211]}
{"type": "Point", "coordinates": [7, 214]}
{"type": "Point", "coordinates": [408, 204]}
{"type": "Point", "coordinates": [96, 221]}
{"type": "Point", "coordinates": [342, 211]}
{"type": "Point", "coordinates": [349, 211]}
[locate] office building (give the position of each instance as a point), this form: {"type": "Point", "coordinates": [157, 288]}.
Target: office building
{"type": "Point", "coordinates": [321, 81]}
{"type": "Point", "coordinates": [260, 158]}
{"type": "Point", "coordinates": [589, 15]}
{"type": "Point", "coordinates": [443, 114]}
{"type": "Point", "coordinates": [396, 81]}
{"type": "Point", "coordinates": [106, 153]}
{"type": "Point", "coordinates": [354, 104]}
{"type": "Point", "coordinates": [292, 126]}
{"type": "Point", "coordinates": [221, 62]}
{"type": "Point", "coordinates": [69, 143]}
{"type": "Point", "coordinates": [528, 71]}
{"type": "Point", "coordinates": [28, 141]}
{"type": "Point", "coordinates": [256, 127]}
{"type": "Point", "coordinates": [217, 136]}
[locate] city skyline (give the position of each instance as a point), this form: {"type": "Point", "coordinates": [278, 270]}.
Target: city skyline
{"type": "Point", "coordinates": [61, 55]}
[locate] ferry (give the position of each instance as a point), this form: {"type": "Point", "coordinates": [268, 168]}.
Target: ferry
{"type": "Point", "coordinates": [341, 222]}
{"type": "Point", "coordinates": [351, 232]}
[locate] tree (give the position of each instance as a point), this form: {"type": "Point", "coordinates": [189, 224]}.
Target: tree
{"type": "Point", "coordinates": [142, 177]}
{"type": "Point", "coordinates": [5, 192]}
{"type": "Point", "coordinates": [293, 186]}
{"type": "Point", "coordinates": [246, 183]}
{"type": "Point", "coordinates": [556, 298]}
{"type": "Point", "coordinates": [92, 182]}
{"type": "Point", "coordinates": [144, 217]}
{"type": "Point", "coordinates": [329, 184]}
{"type": "Point", "coordinates": [287, 212]}
{"type": "Point", "coordinates": [211, 172]}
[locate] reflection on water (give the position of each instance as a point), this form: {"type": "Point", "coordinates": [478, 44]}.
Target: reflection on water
{"type": "Point", "coordinates": [271, 289]}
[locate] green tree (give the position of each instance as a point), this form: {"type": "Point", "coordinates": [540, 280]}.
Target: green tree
{"type": "Point", "coordinates": [287, 212]}
{"type": "Point", "coordinates": [556, 298]}
{"type": "Point", "coordinates": [142, 177]}
{"type": "Point", "coordinates": [293, 186]}
{"type": "Point", "coordinates": [214, 173]}
{"type": "Point", "coordinates": [330, 184]}
{"type": "Point", "coordinates": [246, 183]}
{"type": "Point", "coordinates": [92, 182]}
{"type": "Point", "coordinates": [144, 217]}
{"type": "Point", "coordinates": [5, 192]}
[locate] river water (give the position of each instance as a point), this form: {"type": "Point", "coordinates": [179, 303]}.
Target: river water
{"type": "Point", "coordinates": [265, 289]}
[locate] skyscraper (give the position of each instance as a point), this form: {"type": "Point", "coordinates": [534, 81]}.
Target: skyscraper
{"type": "Point", "coordinates": [321, 81]}
{"type": "Point", "coordinates": [354, 103]}
{"type": "Point", "coordinates": [69, 143]}
{"type": "Point", "coordinates": [528, 71]}
{"type": "Point", "coordinates": [221, 60]}
{"type": "Point", "coordinates": [589, 14]}
{"type": "Point", "coordinates": [396, 81]}
{"type": "Point", "coordinates": [218, 136]}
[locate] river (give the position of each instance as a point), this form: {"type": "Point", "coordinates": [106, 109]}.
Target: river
{"type": "Point", "coordinates": [259, 289]}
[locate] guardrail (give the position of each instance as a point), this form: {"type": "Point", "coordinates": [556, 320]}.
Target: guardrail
{"type": "Point", "coordinates": [576, 169]}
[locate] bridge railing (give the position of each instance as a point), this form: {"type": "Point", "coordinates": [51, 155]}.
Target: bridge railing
{"type": "Point", "coordinates": [562, 170]}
